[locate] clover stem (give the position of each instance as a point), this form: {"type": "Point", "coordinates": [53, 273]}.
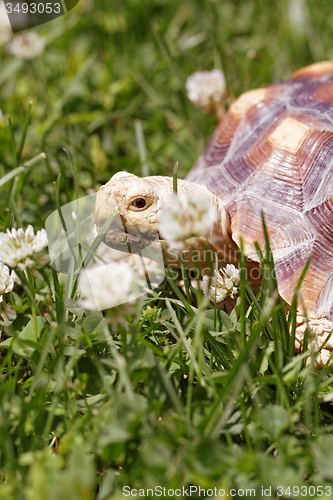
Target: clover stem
{"type": "Point", "coordinates": [31, 284]}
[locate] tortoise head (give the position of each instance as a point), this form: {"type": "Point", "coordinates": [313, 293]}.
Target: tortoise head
{"type": "Point", "coordinates": [137, 203]}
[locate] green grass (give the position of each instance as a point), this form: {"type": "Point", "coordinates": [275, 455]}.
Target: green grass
{"type": "Point", "coordinates": [178, 395]}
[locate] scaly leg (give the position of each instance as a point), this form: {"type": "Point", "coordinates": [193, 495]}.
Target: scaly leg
{"type": "Point", "coordinates": [319, 329]}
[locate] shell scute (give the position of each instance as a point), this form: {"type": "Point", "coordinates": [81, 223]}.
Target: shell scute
{"type": "Point", "coordinates": [314, 71]}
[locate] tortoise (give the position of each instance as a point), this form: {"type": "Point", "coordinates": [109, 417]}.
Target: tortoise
{"type": "Point", "coordinates": [272, 153]}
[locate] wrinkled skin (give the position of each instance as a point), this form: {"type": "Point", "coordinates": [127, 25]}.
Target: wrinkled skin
{"type": "Point", "coordinates": [134, 227]}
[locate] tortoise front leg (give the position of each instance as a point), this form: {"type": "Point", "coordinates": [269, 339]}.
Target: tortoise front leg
{"type": "Point", "coordinates": [319, 328]}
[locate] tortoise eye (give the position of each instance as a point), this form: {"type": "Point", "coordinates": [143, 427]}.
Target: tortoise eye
{"type": "Point", "coordinates": [139, 203]}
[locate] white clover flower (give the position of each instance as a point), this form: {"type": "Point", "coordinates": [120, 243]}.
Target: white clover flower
{"type": "Point", "coordinates": [224, 284]}
{"type": "Point", "coordinates": [108, 286]}
{"type": "Point", "coordinates": [26, 46]}
{"type": "Point", "coordinates": [6, 33]}
{"type": "Point", "coordinates": [6, 280]}
{"type": "Point", "coordinates": [7, 315]}
{"type": "Point", "coordinates": [205, 88]}
{"type": "Point", "coordinates": [18, 247]}
{"type": "Point", "coordinates": [187, 216]}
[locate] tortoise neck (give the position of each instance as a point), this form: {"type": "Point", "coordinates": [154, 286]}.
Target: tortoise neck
{"type": "Point", "coordinates": [200, 252]}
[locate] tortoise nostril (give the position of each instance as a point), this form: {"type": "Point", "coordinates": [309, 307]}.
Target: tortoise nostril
{"type": "Point", "coordinates": [99, 222]}
{"type": "Point", "coordinates": [117, 222]}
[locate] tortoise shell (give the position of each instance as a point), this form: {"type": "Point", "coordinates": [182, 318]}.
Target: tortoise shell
{"type": "Point", "coordinates": [273, 153]}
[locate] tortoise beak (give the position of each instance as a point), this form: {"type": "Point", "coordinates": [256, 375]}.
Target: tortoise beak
{"type": "Point", "coordinates": [120, 235]}
{"type": "Point", "coordinates": [104, 206]}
